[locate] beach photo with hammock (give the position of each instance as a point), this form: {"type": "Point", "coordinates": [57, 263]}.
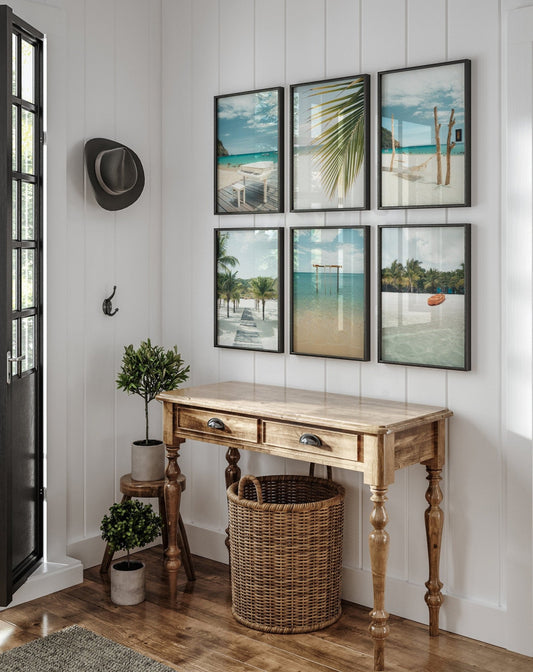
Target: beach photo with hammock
{"type": "Point", "coordinates": [330, 144]}
{"type": "Point", "coordinates": [425, 136]}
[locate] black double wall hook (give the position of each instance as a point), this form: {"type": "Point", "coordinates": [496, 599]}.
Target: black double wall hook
{"type": "Point", "coordinates": [107, 305]}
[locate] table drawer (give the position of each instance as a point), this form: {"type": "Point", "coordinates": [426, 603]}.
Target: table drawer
{"type": "Point", "coordinates": [301, 438]}
{"type": "Point", "coordinates": [218, 425]}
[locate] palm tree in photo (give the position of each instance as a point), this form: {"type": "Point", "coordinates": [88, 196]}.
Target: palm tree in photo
{"type": "Point", "coordinates": [413, 272]}
{"type": "Point", "coordinates": [340, 148]}
{"type": "Point", "coordinates": [224, 260]}
{"type": "Point", "coordinates": [431, 280]}
{"type": "Point", "coordinates": [227, 285]}
{"type": "Point", "coordinates": [395, 274]}
{"type": "Point", "coordinates": [263, 288]}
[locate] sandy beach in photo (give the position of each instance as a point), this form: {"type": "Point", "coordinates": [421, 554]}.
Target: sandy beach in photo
{"type": "Point", "coordinates": [312, 331]}
{"type": "Point", "coordinates": [254, 333]}
{"type": "Point", "coordinates": [413, 180]}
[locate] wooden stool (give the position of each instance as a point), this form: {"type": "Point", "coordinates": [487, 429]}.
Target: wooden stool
{"type": "Point", "coordinates": [130, 488]}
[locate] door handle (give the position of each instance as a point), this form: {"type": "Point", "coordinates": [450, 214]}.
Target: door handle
{"type": "Point", "coordinates": [10, 360]}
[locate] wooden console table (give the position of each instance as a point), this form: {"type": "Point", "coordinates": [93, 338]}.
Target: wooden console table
{"type": "Point", "coordinates": [369, 435]}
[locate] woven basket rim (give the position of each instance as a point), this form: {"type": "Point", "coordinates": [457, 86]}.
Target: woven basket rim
{"type": "Point", "coordinates": [306, 506]}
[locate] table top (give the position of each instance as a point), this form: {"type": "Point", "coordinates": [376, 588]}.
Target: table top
{"type": "Point", "coordinates": [338, 411]}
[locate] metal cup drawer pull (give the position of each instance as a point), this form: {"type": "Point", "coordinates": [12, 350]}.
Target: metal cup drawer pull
{"type": "Point", "coordinates": [215, 423]}
{"type": "Point", "coordinates": [311, 440]}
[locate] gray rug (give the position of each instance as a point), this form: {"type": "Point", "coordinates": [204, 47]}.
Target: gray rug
{"type": "Point", "coordinates": [75, 649]}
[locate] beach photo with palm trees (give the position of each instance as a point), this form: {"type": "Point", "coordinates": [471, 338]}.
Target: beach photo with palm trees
{"type": "Point", "coordinates": [330, 144]}
{"type": "Point", "coordinates": [249, 289]}
{"type": "Point", "coordinates": [424, 299]}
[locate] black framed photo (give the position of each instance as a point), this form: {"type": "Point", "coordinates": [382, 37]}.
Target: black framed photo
{"type": "Point", "coordinates": [249, 289]}
{"type": "Point", "coordinates": [424, 141]}
{"type": "Point", "coordinates": [330, 291]}
{"type": "Point", "coordinates": [330, 146]}
{"type": "Point", "coordinates": [249, 152]}
{"type": "Point", "coordinates": [424, 295]}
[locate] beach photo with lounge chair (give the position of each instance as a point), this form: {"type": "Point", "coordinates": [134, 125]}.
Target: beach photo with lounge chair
{"type": "Point", "coordinates": [249, 289]}
{"type": "Point", "coordinates": [248, 152]}
{"type": "Point", "coordinates": [425, 136]}
{"type": "Point", "coordinates": [424, 299]}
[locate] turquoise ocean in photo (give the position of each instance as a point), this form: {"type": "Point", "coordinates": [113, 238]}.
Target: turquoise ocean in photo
{"type": "Point", "coordinates": [327, 321]}
{"type": "Point", "coordinates": [239, 159]}
{"type": "Point", "coordinates": [427, 149]}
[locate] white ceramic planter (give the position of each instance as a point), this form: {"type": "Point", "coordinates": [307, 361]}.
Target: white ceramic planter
{"type": "Point", "coordinates": [127, 586]}
{"type": "Point", "coordinates": [148, 463]}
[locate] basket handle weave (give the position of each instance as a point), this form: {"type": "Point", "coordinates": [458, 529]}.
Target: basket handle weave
{"type": "Point", "coordinates": [255, 481]}
{"type": "Point", "coordinates": [312, 470]}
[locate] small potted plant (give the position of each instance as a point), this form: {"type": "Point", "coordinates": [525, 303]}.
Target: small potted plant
{"type": "Point", "coordinates": [146, 372]}
{"type": "Point", "coordinates": [130, 524]}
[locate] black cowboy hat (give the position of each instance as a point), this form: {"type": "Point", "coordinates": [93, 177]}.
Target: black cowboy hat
{"type": "Point", "coordinates": [115, 171]}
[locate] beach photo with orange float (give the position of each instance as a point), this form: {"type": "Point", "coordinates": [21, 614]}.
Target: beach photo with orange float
{"type": "Point", "coordinates": [424, 298]}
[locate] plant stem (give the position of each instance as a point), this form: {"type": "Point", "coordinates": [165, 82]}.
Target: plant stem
{"type": "Point", "coordinates": [146, 417]}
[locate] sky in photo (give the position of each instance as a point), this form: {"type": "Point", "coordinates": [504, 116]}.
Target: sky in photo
{"type": "Point", "coordinates": [441, 247]}
{"type": "Point", "coordinates": [329, 246]}
{"type": "Point", "coordinates": [248, 123]}
{"type": "Point", "coordinates": [257, 252]}
{"type": "Point", "coordinates": [411, 96]}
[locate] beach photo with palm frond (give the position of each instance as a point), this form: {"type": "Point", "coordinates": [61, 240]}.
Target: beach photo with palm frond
{"type": "Point", "coordinates": [330, 144]}
{"type": "Point", "coordinates": [424, 299]}
{"type": "Point", "coordinates": [249, 289]}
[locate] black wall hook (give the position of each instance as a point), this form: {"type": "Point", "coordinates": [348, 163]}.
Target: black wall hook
{"type": "Point", "coordinates": [107, 305]}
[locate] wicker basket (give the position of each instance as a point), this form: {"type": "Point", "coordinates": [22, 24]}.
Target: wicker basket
{"type": "Point", "coordinates": [286, 552]}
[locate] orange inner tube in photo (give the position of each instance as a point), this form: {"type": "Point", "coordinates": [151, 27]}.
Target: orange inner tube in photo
{"type": "Point", "coordinates": [436, 299]}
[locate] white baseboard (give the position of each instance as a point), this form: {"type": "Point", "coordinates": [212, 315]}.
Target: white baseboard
{"type": "Point", "coordinates": [49, 577]}
{"type": "Point", "coordinates": [90, 551]}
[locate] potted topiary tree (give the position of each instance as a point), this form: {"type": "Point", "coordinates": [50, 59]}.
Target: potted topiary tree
{"type": "Point", "coordinates": [146, 372]}
{"type": "Point", "coordinates": [130, 524]}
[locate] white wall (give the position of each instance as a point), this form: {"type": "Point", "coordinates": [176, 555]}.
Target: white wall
{"type": "Point", "coordinates": [213, 47]}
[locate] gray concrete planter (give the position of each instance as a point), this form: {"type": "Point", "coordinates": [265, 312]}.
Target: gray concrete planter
{"type": "Point", "coordinates": [148, 463]}
{"type": "Point", "coordinates": [127, 585]}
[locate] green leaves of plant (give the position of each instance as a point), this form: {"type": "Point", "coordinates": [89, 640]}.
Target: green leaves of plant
{"type": "Point", "coordinates": [130, 524]}
{"type": "Point", "coordinates": [150, 370]}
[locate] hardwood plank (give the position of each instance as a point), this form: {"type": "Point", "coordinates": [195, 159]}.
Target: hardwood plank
{"type": "Point", "coordinates": [199, 634]}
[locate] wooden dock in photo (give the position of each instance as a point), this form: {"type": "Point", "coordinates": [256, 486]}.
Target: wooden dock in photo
{"type": "Point", "coordinates": [235, 198]}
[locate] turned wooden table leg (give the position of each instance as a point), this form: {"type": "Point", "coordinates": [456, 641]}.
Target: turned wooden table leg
{"type": "Point", "coordinates": [172, 493]}
{"type": "Point", "coordinates": [434, 522]}
{"type": "Point", "coordinates": [378, 542]}
{"type": "Point", "coordinates": [232, 475]}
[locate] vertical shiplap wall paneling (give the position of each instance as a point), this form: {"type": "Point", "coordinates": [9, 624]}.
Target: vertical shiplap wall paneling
{"type": "Point", "coordinates": [180, 314]}
{"type": "Point", "coordinates": [100, 79]}
{"type": "Point", "coordinates": [207, 470]}
{"type": "Point", "coordinates": [138, 227]}
{"type": "Point", "coordinates": [426, 43]}
{"type": "Point", "coordinates": [475, 432]}
{"type": "Point", "coordinates": [305, 61]}
{"type": "Point", "coordinates": [517, 320]}
{"type": "Point", "coordinates": [77, 185]}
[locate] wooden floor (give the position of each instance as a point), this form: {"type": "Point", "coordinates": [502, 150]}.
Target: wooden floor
{"type": "Point", "coordinates": [199, 634]}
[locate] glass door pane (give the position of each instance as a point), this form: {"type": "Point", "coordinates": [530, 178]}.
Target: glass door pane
{"type": "Point", "coordinates": [27, 57]}
{"type": "Point", "coordinates": [27, 328]}
{"type": "Point", "coordinates": [27, 211]}
{"type": "Point", "coordinates": [27, 148]}
{"type": "Point", "coordinates": [27, 277]}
